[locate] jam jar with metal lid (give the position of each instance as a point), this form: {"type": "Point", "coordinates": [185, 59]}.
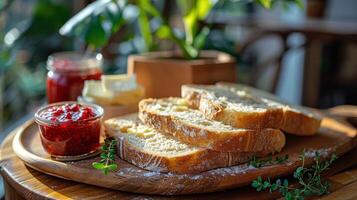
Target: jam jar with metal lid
{"type": "Point", "coordinates": [67, 73]}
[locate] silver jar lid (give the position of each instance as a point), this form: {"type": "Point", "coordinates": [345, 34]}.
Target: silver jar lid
{"type": "Point", "coordinates": [74, 61]}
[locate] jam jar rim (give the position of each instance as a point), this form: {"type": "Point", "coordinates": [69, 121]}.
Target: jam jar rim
{"type": "Point", "coordinates": [85, 63]}
{"type": "Point", "coordinates": [98, 110]}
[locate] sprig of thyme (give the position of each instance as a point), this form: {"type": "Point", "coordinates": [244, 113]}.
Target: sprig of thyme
{"type": "Point", "coordinates": [309, 179]}
{"type": "Point", "coordinates": [257, 163]}
{"type": "Point", "coordinates": [107, 157]}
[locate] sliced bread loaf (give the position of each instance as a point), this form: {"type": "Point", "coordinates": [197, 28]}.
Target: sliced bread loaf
{"type": "Point", "coordinates": [246, 107]}
{"type": "Point", "coordinates": [238, 109]}
{"type": "Point", "coordinates": [173, 116]}
{"type": "Point", "coordinates": [156, 151]}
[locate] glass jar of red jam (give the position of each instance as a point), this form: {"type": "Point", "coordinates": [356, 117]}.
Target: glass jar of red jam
{"type": "Point", "coordinates": [69, 128]}
{"type": "Point", "coordinates": [67, 73]}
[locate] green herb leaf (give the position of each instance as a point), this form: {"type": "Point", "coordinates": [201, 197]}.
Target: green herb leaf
{"type": "Point", "coordinates": [298, 172]}
{"type": "Point", "coordinates": [280, 160]}
{"type": "Point", "coordinates": [112, 167]}
{"type": "Point", "coordinates": [310, 179]}
{"type": "Point", "coordinates": [98, 165]}
{"type": "Point", "coordinates": [266, 184]}
{"type": "Point", "coordinates": [255, 184]}
{"type": "Point", "coordinates": [107, 162]}
{"type": "Point", "coordinates": [257, 163]}
{"type": "Point", "coordinates": [104, 147]}
{"type": "Point", "coordinates": [286, 183]}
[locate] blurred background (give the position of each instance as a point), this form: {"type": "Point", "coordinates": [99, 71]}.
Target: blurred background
{"type": "Point", "coordinates": [303, 51]}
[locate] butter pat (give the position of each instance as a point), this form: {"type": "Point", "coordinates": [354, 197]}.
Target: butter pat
{"type": "Point", "coordinates": [121, 82]}
{"type": "Point", "coordinates": [182, 102]}
{"type": "Point", "coordinates": [141, 131]}
{"type": "Point", "coordinates": [180, 108]}
{"type": "Point", "coordinates": [128, 97]}
{"type": "Point", "coordinates": [94, 91]}
{"type": "Point", "coordinates": [113, 90]}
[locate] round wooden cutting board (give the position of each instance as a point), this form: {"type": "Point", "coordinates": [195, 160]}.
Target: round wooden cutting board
{"type": "Point", "coordinates": [333, 136]}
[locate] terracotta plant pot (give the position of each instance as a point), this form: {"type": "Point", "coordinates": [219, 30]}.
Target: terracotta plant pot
{"type": "Point", "coordinates": [163, 73]}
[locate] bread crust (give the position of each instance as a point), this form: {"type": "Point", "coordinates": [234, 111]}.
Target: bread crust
{"type": "Point", "coordinates": [290, 119]}
{"type": "Point", "coordinates": [298, 123]}
{"type": "Point", "coordinates": [242, 140]}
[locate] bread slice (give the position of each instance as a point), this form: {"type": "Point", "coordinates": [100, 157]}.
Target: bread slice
{"type": "Point", "coordinates": [298, 120]}
{"type": "Point", "coordinates": [173, 116]}
{"type": "Point", "coordinates": [156, 151]}
{"type": "Point", "coordinates": [246, 107]}
{"type": "Point", "coordinates": [240, 110]}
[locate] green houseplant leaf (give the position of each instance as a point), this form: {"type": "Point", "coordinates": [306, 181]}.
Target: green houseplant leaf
{"type": "Point", "coordinates": [95, 35]}
{"type": "Point", "coordinates": [115, 17]}
{"type": "Point", "coordinates": [201, 38]}
{"type": "Point", "coordinates": [193, 11]}
{"type": "Point", "coordinates": [203, 8]}
{"type": "Point", "coordinates": [98, 13]}
{"type": "Point", "coordinates": [89, 23]}
{"type": "Point", "coordinates": [149, 8]}
{"type": "Point", "coordinates": [265, 3]}
{"type": "Point", "coordinates": [144, 25]}
{"type": "Point", "coordinates": [164, 32]}
{"type": "Point", "coordinates": [268, 4]}
{"type": "Point", "coordinates": [95, 7]}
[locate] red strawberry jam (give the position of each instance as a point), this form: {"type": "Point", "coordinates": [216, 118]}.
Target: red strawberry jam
{"type": "Point", "coordinates": [67, 73]}
{"type": "Point", "coordinates": [69, 128]}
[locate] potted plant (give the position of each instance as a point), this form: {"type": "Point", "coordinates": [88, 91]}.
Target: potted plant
{"type": "Point", "coordinates": [161, 73]}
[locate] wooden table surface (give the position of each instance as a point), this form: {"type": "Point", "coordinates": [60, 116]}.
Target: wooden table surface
{"type": "Point", "coordinates": [22, 182]}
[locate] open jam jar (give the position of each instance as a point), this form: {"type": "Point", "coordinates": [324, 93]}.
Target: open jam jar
{"type": "Point", "coordinates": [67, 73]}
{"type": "Point", "coordinates": [69, 128]}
